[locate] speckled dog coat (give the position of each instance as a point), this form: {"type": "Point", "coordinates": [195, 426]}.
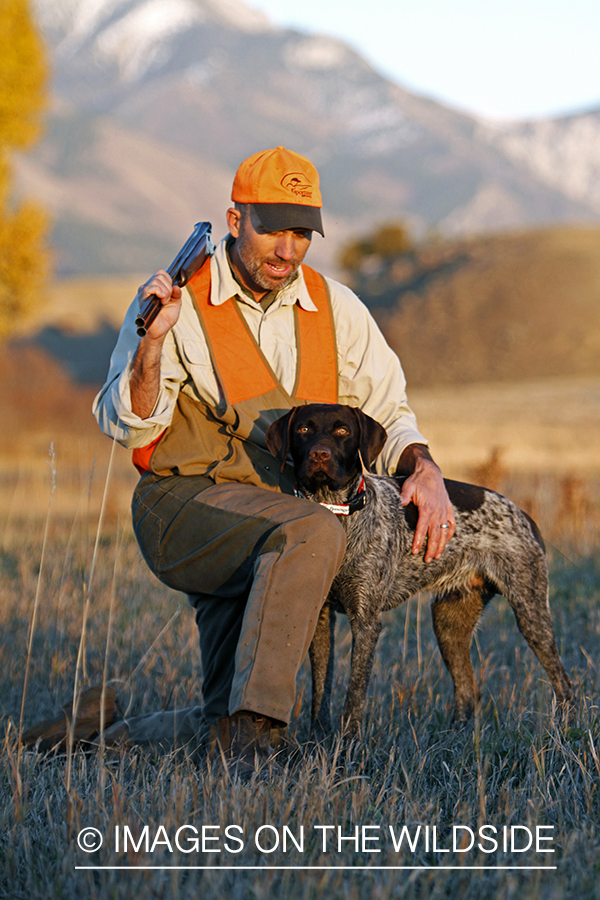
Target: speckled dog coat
{"type": "Point", "coordinates": [496, 549]}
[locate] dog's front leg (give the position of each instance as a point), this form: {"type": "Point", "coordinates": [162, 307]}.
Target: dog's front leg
{"type": "Point", "coordinates": [364, 640]}
{"type": "Point", "coordinates": [321, 653]}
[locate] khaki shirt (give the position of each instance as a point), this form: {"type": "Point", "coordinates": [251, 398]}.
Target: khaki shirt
{"type": "Point", "coordinates": [370, 374]}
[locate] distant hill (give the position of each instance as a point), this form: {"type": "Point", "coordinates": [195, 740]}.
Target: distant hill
{"type": "Point", "coordinates": [500, 308]}
{"type": "Point", "coordinates": [504, 308]}
{"type": "Point", "coordinates": [155, 104]}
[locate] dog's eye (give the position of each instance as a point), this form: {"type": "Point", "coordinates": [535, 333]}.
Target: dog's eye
{"type": "Point", "coordinates": [304, 429]}
{"type": "Point", "coordinates": [341, 429]}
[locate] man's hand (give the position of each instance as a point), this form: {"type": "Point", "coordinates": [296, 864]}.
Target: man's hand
{"type": "Point", "coordinates": [170, 297]}
{"type": "Point", "coordinates": [425, 488]}
{"type": "Point", "coordinates": [144, 380]}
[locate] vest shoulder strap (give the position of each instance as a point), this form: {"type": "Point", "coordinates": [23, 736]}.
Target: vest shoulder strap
{"type": "Point", "coordinates": [242, 371]}
{"type": "Point", "coordinates": [317, 353]}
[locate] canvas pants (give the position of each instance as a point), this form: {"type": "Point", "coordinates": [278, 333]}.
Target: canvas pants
{"type": "Point", "coordinates": [257, 566]}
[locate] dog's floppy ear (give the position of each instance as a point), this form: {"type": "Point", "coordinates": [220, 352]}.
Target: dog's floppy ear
{"type": "Point", "coordinates": [372, 437]}
{"type": "Point", "coordinates": [278, 435]}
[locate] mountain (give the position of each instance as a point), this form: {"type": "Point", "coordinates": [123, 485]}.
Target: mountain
{"type": "Point", "coordinates": [157, 101]}
{"type": "Point", "coordinates": [563, 153]}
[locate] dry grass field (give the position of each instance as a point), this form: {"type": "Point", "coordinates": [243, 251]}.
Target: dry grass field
{"type": "Point", "coordinates": [78, 604]}
{"type": "Point", "coordinates": [522, 762]}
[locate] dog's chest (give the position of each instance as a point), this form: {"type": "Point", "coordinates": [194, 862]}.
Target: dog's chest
{"type": "Point", "coordinates": [377, 538]}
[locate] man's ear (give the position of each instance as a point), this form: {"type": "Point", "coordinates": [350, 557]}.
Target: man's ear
{"type": "Point", "coordinates": [372, 437]}
{"type": "Point", "coordinates": [234, 217]}
{"type": "Point", "coordinates": [278, 435]}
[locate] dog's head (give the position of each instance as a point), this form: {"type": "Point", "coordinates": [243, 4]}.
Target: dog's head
{"type": "Point", "coordinates": [327, 443]}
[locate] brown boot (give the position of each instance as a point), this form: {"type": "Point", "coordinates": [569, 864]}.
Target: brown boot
{"type": "Point", "coordinates": [247, 740]}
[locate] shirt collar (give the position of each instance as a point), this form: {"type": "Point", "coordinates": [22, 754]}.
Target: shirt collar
{"type": "Point", "coordinates": [296, 292]}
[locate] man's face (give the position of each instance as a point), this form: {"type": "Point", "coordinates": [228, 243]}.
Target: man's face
{"type": "Point", "coordinates": [265, 260]}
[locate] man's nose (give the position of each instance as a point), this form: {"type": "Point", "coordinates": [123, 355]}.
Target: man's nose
{"type": "Point", "coordinates": [285, 247]}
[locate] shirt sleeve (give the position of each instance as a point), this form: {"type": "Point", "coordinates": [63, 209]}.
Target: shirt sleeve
{"type": "Point", "coordinates": [112, 406]}
{"type": "Point", "coordinates": [371, 376]}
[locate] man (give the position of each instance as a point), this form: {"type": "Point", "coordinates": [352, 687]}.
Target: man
{"type": "Point", "coordinates": [256, 334]}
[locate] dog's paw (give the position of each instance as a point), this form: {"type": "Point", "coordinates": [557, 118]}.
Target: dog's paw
{"type": "Point", "coordinates": [320, 733]}
{"type": "Point", "coordinates": [463, 716]}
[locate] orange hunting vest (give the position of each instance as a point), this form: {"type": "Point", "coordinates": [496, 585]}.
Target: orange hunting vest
{"type": "Point", "coordinates": [227, 442]}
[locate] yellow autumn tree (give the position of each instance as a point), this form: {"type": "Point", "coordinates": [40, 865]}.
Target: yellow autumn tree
{"type": "Point", "coordinates": [24, 257]}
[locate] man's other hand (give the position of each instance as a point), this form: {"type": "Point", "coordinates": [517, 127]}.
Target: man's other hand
{"type": "Point", "coordinates": [425, 487]}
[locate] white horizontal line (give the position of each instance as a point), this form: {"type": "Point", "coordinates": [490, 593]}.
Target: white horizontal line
{"type": "Point", "coordinates": [316, 868]}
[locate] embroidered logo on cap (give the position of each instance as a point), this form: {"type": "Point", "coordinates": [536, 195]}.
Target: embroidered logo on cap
{"type": "Point", "coordinates": [296, 183]}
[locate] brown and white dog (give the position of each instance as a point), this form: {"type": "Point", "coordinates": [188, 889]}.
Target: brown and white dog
{"type": "Point", "coordinates": [496, 549]}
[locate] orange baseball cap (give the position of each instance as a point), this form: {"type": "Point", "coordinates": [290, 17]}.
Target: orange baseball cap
{"type": "Point", "coordinates": [283, 188]}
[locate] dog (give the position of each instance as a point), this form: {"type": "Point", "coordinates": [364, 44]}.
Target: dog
{"type": "Point", "coordinates": [496, 549]}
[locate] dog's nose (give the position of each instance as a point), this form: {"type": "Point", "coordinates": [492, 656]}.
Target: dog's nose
{"type": "Point", "coordinates": [320, 454]}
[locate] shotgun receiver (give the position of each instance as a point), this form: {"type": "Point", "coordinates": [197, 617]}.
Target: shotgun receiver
{"type": "Point", "coordinates": [187, 262]}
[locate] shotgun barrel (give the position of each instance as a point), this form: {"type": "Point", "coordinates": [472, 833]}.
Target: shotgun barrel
{"type": "Point", "coordinates": [187, 262]}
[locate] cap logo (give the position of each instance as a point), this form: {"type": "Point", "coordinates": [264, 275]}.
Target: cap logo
{"type": "Point", "coordinates": [296, 183]}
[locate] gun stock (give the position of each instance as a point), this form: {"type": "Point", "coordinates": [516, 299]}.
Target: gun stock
{"type": "Point", "coordinates": [187, 262]}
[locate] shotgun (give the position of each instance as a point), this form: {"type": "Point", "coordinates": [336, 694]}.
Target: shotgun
{"type": "Point", "coordinates": [187, 262]}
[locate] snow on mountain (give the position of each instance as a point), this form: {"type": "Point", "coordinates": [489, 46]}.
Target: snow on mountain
{"type": "Point", "coordinates": [564, 152]}
{"type": "Point", "coordinates": [141, 36]}
{"type": "Point", "coordinates": [317, 52]}
{"type": "Point", "coordinates": [126, 31]}
{"type": "Point", "coordinates": [238, 14]}
{"type": "Point", "coordinates": [74, 21]}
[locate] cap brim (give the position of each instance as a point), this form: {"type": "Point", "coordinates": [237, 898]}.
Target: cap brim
{"type": "Point", "coordinates": [286, 216]}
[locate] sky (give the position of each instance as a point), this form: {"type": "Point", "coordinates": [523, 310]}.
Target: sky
{"type": "Point", "coordinates": [514, 59]}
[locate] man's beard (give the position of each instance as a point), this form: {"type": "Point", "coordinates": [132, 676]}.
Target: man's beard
{"type": "Point", "coordinates": [253, 264]}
